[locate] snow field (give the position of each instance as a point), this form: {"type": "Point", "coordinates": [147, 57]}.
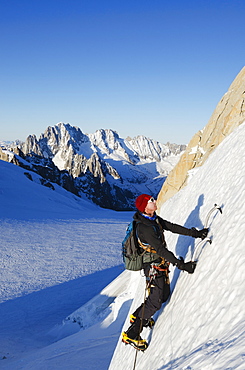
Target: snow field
{"type": "Point", "coordinates": [76, 323]}
{"type": "Point", "coordinates": [57, 252]}
{"type": "Point", "coordinates": [46, 253]}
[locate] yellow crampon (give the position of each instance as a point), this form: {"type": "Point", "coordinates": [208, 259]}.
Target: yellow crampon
{"type": "Point", "coordinates": [140, 344]}
{"type": "Point", "coordinates": [132, 318]}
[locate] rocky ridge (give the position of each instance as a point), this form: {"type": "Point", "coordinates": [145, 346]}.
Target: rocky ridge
{"type": "Point", "coordinates": [102, 167]}
{"type": "Point", "coordinates": [229, 113]}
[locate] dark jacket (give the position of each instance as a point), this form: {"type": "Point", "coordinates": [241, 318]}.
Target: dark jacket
{"type": "Point", "coordinates": [152, 232]}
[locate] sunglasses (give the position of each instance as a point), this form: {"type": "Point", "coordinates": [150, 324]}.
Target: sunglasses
{"type": "Point", "coordinates": [151, 200]}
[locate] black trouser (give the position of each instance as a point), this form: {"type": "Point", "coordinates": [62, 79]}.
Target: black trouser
{"type": "Point", "coordinates": [159, 293]}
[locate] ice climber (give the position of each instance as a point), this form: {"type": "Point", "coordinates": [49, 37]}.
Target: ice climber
{"type": "Point", "coordinates": [150, 232]}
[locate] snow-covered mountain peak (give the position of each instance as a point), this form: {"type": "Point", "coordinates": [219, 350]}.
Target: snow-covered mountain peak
{"type": "Point", "coordinates": [106, 135]}
{"type": "Point", "coordinates": [63, 136]}
{"type": "Point", "coordinates": [106, 140]}
{"type": "Point", "coordinates": [105, 168]}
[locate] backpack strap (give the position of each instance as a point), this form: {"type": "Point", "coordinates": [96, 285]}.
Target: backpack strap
{"type": "Point", "coordinates": [136, 238]}
{"type": "Point", "coordinates": [146, 247]}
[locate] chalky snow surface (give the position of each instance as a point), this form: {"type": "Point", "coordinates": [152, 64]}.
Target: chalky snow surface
{"type": "Point", "coordinates": [65, 299]}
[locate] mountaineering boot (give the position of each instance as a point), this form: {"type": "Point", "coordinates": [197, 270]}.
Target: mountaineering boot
{"type": "Point", "coordinates": [132, 336]}
{"type": "Point", "coordinates": [138, 343]}
{"type": "Point", "coordinates": [146, 322]}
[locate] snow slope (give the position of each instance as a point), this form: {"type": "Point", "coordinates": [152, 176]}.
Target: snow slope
{"type": "Point", "coordinates": [57, 252]}
{"type": "Point", "coordinates": [43, 325]}
{"type": "Point", "coordinates": [203, 326]}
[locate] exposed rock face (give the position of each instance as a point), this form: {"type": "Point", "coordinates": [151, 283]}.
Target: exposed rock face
{"type": "Point", "coordinates": [229, 113]}
{"type": "Point", "coordinates": [3, 155]}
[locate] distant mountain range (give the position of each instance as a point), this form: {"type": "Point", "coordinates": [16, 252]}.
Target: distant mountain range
{"type": "Point", "coordinates": [102, 167]}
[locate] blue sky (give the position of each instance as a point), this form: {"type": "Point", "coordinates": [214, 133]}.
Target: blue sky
{"type": "Point", "coordinates": [151, 67]}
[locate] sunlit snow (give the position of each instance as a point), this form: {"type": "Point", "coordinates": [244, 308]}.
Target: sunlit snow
{"type": "Point", "coordinates": [65, 298]}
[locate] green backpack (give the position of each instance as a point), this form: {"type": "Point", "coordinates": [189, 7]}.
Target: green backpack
{"type": "Point", "coordinates": [132, 255]}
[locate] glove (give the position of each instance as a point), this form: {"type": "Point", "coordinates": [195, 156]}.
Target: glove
{"type": "Point", "coordinates": [199, 233]}
{"type": "Point", "coordinates": [186, 266]}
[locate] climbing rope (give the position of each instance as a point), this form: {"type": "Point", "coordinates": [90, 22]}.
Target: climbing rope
{"type": "Point", "coordinates": [148, 283]}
